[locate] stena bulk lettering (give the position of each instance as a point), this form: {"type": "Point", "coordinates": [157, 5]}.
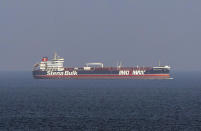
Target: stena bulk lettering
{"type": "Point", "coordinates": [71, 73]}
{"type": "Point", "coordinates": [54, 73]}
{"type": "Point", "coordinates": [74, 72]}
{"type": "Point", "coordinates": [48, 72]}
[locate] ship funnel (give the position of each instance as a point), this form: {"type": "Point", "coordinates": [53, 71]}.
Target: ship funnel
{"type": "Point", "coordinates": [44, 59]}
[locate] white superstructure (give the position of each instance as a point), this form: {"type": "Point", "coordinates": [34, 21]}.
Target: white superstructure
{"type": "Point", "coordinates": [56, 64]}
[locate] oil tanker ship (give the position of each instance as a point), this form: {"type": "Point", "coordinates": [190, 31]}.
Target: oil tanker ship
{"type": "Point", "coordinates": [54, 69]}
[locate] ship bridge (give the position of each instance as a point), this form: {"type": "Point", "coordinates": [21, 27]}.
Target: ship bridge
{"type": "Point", "coordinates": [55, 64]}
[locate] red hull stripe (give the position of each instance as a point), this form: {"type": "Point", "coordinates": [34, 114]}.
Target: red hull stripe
{"type": "Point", "coordinates": [146, 75]}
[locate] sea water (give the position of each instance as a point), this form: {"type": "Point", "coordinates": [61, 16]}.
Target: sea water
{"type": "Point", "coordinates": [100, 105]}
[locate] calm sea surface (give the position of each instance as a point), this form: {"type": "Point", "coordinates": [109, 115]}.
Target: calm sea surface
{"type": "Point", "coordinates": [100, 105]}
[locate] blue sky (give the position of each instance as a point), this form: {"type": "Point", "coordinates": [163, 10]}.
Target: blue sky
{"type": "Point", "coordinates": [136, 32]}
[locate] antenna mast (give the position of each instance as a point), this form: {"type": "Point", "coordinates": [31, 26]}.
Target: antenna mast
{"type": "Point", "coordinates": [55, 55]}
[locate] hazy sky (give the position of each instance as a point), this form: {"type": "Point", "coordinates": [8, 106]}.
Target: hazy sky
{"type": "Point", "coordinates": [136, 32]}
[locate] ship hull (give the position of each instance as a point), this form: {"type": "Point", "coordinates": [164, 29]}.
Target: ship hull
{"type": "Point", "coordinates": [100, 75]}
{"type": "Point", "coordinates": [159, 76]}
